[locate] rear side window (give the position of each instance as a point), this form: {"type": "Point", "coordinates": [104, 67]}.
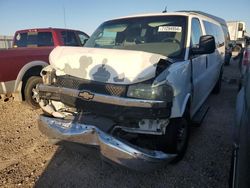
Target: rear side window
{"type": "Point", "coordinates": [216, 31]}
{"type": "Point", "coordinates": [69, 38]}
{"type": "Point", "coordinates": [34, 39]}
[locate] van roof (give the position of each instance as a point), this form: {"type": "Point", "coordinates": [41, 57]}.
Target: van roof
{"type": "Point", "coordinates": [179, 13]}
{"type": "Point", "coordinates": [216, 18]}
{"type": "Point", "coordinates": [155, 14]}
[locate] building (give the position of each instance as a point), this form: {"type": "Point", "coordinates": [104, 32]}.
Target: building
{"type": "Point", "coordinates": [5, 41]}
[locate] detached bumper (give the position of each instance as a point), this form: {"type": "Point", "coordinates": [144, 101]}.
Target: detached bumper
{"type": "Point", "coordinates": [114, 149]}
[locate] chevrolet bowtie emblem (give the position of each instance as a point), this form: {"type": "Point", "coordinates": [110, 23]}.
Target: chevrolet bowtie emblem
{"type": "Point", "coordinates": [86, 95]}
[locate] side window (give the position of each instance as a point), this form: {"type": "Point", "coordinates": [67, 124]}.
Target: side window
{"type": "Point", "coordinates": [82, 37]}
{"type": "Point", "coordinates": [216, 31]}
{"type": "Point", "coordinates": [220, 35]}
{"type": "Point", "coordinates": [106, 38]}
{"type": "Point", "coordinates": [196, 32]}
{"type": "Point", "coordinates": [69, 38]}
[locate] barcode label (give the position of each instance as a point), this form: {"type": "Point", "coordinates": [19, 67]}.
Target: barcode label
{"type": "Point", "coordinates": [175, 29]}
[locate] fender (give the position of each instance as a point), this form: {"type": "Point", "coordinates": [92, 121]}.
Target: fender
{"type": "Point", "coordinates": [24, 70]}
{"type": "Point", "coordinates": [184, 104]}
{"type": "Point", "coordinates": [179, 78]}
{"type": "Point", "coordinates": [179, 106]}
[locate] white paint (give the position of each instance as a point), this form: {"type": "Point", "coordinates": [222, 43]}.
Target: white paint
{"type": "Point", "coordinates": [133, 66]}
{"type": "Point", "coordinates": [179, 78]}
{"type": "Point", "coordinates": [158, 14]}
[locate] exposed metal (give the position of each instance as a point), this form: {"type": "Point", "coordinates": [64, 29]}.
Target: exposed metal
{"type": "Point", "coordinates": [112, 148]}
{"type": "Point", "coordinates": [154, 125]}
{"type": "Point", "coordinates": [147, 126]}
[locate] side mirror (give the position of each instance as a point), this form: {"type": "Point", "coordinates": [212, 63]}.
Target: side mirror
{"type": "Point", "coordinates": [206, 45]}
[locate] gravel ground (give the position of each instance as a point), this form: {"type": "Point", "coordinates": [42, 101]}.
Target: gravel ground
{"type": "Point", "coordinates": [27, 159]}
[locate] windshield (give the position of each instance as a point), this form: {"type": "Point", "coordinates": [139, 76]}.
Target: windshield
{"type": "Point", "coordinates": [157, 34]}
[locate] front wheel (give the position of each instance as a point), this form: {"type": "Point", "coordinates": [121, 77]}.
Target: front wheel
{"type": "Point", "coordinates": [30, 93]}
{"type": "Point", "coordinates": [176, 138]}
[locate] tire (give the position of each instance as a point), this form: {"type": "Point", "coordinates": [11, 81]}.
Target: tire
{"type": "Point", "coordinates": [176, 138]}
{"type": "Point", "coordinates": [227, 59]}
{"type": "Point", "coordinates": [217, 87]}
{"type": "Point", "coordinates": [29, 91]}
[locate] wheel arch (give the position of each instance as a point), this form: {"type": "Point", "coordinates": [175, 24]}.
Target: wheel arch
{"type": "Point", "coordinates": [32, 68]}
{"type": "Point", "coordinates": [186, 105]}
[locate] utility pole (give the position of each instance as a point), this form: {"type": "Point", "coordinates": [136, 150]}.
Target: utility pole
{"type": "Point", "coordinates": [165, 10]}
{"type": "Point", "coordinates": [64, 16]}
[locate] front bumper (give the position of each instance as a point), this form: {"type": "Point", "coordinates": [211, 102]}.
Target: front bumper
{"type": "Point", "coordinates": [96, 97]}
{"type": "Point", "coordinates": [106, 105]}
{"type": "Point", "coordinates": [114, 149]}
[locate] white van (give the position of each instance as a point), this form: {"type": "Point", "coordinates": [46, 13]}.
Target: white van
{"type": "Point", "coordinates": [135, 88]}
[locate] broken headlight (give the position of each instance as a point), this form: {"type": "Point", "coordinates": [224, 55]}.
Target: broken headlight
{"type": "Point", "coordinates": [150, 92]}
{"type": "Point", "coordinates": [48, 75]}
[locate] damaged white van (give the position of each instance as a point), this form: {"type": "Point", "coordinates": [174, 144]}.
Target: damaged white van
{"type": "Point", "coordinates": [135, 88]}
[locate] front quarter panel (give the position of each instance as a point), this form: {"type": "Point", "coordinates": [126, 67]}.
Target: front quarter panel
{"type": "Point", "coordinates": [179, 78]}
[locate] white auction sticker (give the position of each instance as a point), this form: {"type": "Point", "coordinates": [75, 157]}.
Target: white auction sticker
{"type": "Point", "coordinates": [18, 37]}
{"type": "Point", "coordinates": [175, 29]}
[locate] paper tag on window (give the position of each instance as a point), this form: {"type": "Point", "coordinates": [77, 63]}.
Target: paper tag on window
{"type": "Point", "coordinates": [18, 37]}
{"type": "Point", "coordinates": [175, 29]}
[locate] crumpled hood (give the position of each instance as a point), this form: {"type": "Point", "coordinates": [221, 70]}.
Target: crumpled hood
{"type": "Point", "coordinates": [105, 65]}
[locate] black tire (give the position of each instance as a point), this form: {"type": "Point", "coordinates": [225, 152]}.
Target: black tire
{"type": "Point", "coordinates": [217, 87]}
{"type": "Point", "coordinates": [176, 138]}
{"type": "Point", "coordinates": [227, 59]}
{"type": "Point", "coordinates": [29, 94]}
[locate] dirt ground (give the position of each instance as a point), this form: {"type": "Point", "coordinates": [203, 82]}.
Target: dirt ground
{"type": "Point", "coordinates": [27, 159]}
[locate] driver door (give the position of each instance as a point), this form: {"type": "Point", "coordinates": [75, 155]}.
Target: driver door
{"type": "Point", "coordinates": [199, 69]}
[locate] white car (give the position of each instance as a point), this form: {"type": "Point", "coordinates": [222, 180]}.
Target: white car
{"type": "Point", "coordinates": [135, 87]}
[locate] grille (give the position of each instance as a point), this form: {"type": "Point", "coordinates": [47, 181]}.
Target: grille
{"type": "Point", "coordinates": [68, 82]}
{"type": "Point", "coordinates": [114, 90]}
{"type": "Point", "coordinates": [93, 86]}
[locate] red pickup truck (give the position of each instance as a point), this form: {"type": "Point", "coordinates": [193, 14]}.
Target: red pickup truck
{"type": "Point", "coordinates": [20, 66]}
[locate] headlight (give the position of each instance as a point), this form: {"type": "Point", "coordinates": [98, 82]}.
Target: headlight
{"type": "Point", "coordinates": [48, 75]}
{"type": "Point", "coordinates": [147, 91]}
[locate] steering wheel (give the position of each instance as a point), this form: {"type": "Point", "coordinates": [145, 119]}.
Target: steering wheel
{"type": "Point", "coordinates": [174, 40]}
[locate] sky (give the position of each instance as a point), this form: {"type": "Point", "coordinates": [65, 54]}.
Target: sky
{"type": "Point", "coordinates": [87, 15]}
